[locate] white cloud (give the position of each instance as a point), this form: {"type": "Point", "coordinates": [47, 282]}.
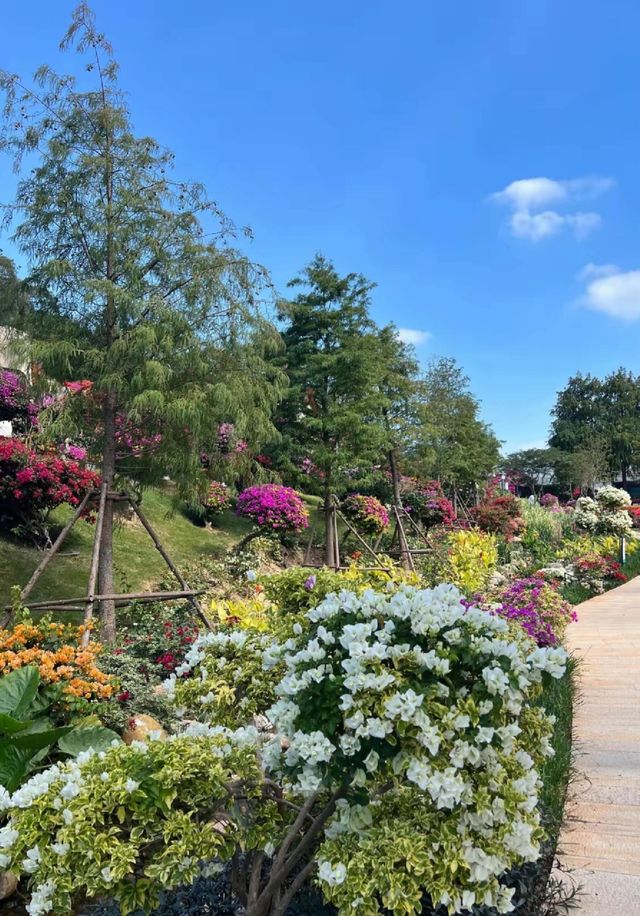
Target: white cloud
{"type": "Point", "coordinates": [413, 336]}
{"type": "Point", "coordinates": [597, 270]}
{"type": "Point", "coordinates": [612, 291]}
{"type": "Point", "coordinates": [529, 200]}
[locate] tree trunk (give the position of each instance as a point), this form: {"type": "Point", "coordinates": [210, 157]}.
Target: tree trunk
{"type": "Point", "coordinates": [105, 563]}
{"type": "Point", "coordinates": [405, 554]}
{"type": "Point", "coordinates": [329, 538]}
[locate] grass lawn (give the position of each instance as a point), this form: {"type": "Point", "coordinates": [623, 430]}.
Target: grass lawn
{"type": "Point", "coordinates": [137, 562]}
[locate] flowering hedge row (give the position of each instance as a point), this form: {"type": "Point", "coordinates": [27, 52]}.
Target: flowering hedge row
{"type": "Point", "coordinates": [538, 607]}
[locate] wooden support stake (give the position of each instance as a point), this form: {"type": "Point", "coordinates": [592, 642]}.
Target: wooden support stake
{"type": "Point", "coordinates": [165, 556]}
{"type": "Point", "coordinates": [123, 598]}
{"type": "Point", "coordinates": [336, 539]}
{"type": "Point", "coordinates": [358, 536]}
{"type": "Point", "coordinates": [55, 547]}
{"type": "Point", "coordinates": [95, 558]}
{"type": "Point", "coordinates": [307, 553]}
{"type": "Point", "coordinates": [405, 553]}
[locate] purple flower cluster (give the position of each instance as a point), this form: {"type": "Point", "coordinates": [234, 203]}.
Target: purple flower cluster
{"type": "Point", "coordinates": [273, 507]}
{"type": "Point", "coordinates": [226, 432]}
{"type": "Point", "coordinates": [538, 607]}
{"type": "Point", "coordinates": [76, 452]}
{"type": "Point", "coordinates": [550, 502]}
{"type": "Point", "coordinates": [14, 397]}
{"type": "Point", "coordinates": [12, 389]}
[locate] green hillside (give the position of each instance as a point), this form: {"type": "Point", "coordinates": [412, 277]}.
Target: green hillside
{"type": "Point", "coordinates": [138, 563]}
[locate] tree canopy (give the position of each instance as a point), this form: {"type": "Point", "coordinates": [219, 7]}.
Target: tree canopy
{"type": "Point", "coordinates": [452, 443]}
{"type": "Point", "coordinates": [135, 280]}
{"type": "Point", "coordinates": [605, 411]}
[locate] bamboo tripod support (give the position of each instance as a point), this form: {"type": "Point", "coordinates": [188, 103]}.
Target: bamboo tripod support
{"type": "Point", "coordinates": [88, 602]}
{"type": "Point", "coordinates": [399, 535]}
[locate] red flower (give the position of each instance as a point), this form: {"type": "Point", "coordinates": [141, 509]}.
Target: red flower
{"type": "Point", "coordinates": [123, 697]}
{"type": "Point", "coordinates": [77, 387]}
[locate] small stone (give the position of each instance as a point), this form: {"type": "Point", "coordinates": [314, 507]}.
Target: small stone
{"type": "Point", "coordinates": [141, 728]}
{"type": "Point", "coordinates": [8, 884]}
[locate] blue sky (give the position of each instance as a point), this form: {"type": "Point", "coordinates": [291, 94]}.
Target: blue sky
{"type": "Point", "coordinates": [382, 133]}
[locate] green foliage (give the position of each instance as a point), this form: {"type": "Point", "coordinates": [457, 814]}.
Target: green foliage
{"type": "Point", "coordinates": [28, 733]}
{"type": "Point", "coordinates": [603, 411]}
{"type": "Point", "coordinates": [331, 413]}
{"type": "Point", "coordinates": [296, 590]}
{"type": "Point", "coordinates": [451, 443]}
{"type": "Point", "coordinates": [557, 699]}
{"type": "Point", "coordinates": [543, 531]}
{"type": "Point", "coordinates": [129, 806]}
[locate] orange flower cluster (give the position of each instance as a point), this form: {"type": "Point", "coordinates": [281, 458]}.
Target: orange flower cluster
{"type": "Point", "coordinates": [56, 650]}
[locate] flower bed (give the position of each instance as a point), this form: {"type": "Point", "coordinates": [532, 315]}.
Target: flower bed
{"type": "Point", "coordinates": [55, 649]}
{"type": "Point", "coordinates": [397, 764]}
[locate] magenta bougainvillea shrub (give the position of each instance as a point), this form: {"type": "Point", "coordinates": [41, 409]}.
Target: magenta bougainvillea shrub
{"type": "Point", "coordinates": [218, 498]}
{"type": "Point", "coordinates": [550, 502]}
{"type": "Point", "coordinates": [366, 513]}
{"type": "Point", "coordinates": [429, 505]}
{"type": "Point", "coordinates": [539, 608]}
{"type": "Point", "coordinates": [32, 483]}
{"type": "Point", "coordinates": [273, 508]}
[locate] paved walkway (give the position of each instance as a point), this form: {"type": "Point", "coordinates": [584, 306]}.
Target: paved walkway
{"type": "Point", "coordinates": [600, 842]}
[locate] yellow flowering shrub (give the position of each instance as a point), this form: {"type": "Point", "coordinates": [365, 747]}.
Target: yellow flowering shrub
{"type": "Point", "coordinates": [604, 546]}
{"type": "Point", "coordinates": [249, 614]}
{"type": "Point", "coordinates": [55, 650]}
{"type": "Point", "coordinates": [472, 558]}
{"type": "Point", "coordinates": [378, 579]}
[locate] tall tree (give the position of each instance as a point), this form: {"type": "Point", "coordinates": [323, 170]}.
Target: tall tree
{"type": "Point", "coordinates": [332, 414]}
{"type": "Point", "coordinates": [605, 410]}
{"type": "Point", "coordinates": [134, 282]}
{"type": "Point", "coordinates": [452, 443]}
{"type": "Point", "coordinates": [400, 390]}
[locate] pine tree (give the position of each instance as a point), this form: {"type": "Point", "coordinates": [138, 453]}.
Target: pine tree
{"type": "Point", "coordinates": [332, 413]}
{"type": "Point", "coordinates": [135, 283]}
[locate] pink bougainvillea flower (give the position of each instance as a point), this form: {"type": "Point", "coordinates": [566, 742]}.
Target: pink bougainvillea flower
{"type": "Point", "coordinates": [77, 387]}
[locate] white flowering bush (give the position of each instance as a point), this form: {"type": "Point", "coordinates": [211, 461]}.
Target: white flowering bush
{"type": "Point", "coordinates": [586, 513]}
{"type": "Point", "coordinates": [144, 812]}
{"type": "Point", "coordinates": [611, 499]}
{"type": "Point", "coordinates": [606, 514]}
{"type": "Point", "coordinates": [402, 761]}
{"type": "Point", "coordinates": [222, 679]}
